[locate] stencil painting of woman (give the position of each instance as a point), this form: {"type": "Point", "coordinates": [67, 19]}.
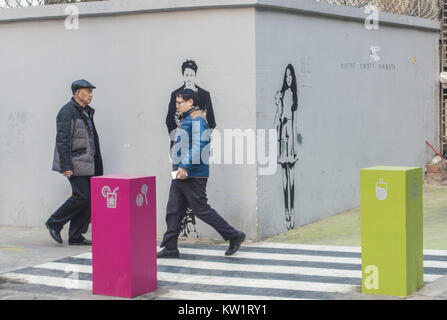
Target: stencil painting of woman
{"type": "Point", "coordinates": [286, 101]}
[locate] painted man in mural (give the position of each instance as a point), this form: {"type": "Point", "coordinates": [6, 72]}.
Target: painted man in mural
{"type": "Point", "coordinates": [189, 72]}
{"type": "Point", "coordinates": [286, 101]}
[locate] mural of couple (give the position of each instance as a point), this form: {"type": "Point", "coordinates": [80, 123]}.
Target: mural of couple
{"type": "Point", "coordinates": [285, 121]}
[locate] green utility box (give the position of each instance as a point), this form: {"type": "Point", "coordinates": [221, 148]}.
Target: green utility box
{"type": "Point", "coordinates": [391, 227]}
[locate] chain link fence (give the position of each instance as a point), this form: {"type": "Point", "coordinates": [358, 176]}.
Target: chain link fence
{"type": "Point", "coordinates": [19, 3]}
{"type": "Point", "coordinates": [28, 3]}
{"type": "Point", "coordinates": [428, 9]}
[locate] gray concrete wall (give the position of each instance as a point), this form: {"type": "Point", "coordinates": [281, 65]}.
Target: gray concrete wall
{"type": "Point", "coordinates": [134, 59]}
{"type": "Point", "coordinates": [349, 116]}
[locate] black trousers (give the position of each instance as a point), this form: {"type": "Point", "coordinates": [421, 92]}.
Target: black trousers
{"type": "Point", "coordinates": [76, 209]}
{"type": "Point", "coordinates": [191, 192]}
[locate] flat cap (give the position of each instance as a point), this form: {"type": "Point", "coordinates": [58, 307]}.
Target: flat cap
{"type": "Point", "coordinates": [79, 84]}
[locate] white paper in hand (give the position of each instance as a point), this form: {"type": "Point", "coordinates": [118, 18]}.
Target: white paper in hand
{"type": "Point", "coordinates": [174, 174]}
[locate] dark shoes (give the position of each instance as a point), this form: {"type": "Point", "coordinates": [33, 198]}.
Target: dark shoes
{"type": "Point", "coordinates": [56, 235]}
{"type": "Point", "coordinates": [80, 242]}
{"type": "Point", "coordinates": [167, 253]}
{"type": "Point", "coordinates": [235, 244]}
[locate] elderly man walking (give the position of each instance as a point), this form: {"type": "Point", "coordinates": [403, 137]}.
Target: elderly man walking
{"type": "Point", "coordinates": [190, 157]}
{"type": "Point", "coordinates": [77, 156]}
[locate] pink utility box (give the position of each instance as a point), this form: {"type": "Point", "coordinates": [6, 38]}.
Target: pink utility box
{"type": "Point", "coordinates": [124, 241]}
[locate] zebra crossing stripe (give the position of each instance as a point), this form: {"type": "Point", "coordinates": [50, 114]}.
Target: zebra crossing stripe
{"type": "Point", "coordinates": [311, 247]}
{"type": "Point", "coordinates": [309, 272]}
{"type": "Point", "coordinates": [219, 266]}
{"type": "Point", "coordinates": [65, 267]}
{"type": "Point", "coordinates": [436, 252]}
{"type": "Point", "coordinates": [327, 250]}
{"type": "Point", "coordinates": [219, 280]}
{"type": "Point", "coordinates": [260, 268]}
{"type": "Point", "coordinates": [256, 272]}
{"type": "Point", "coordinates": [307, 258]}
{"type": "Point", "coordinates": [66, 282]}
{"type": "Point", "coordinates": [336, 273]}
{"type": "Point", "coordinates": [272, 256]}
{"type": "Point", "coordinates": [176, 293]}
{"type": "Point", "coordinates": [440, 255]}
{"type": "Point", "coordinates": [435, 261]}
{"type": "Point", "coordinates": [255, 255]}
{"type": "Point", "coordinates": [208, 292]}
{"type": "Point", "coordinates": [189, 279]}
{"type": "Point", "coordinates": [194, 295]}
{"type": "Point", "coordinates": [87, 255]}
{"type": "Point", "coordinates": [170, 294]}
{"type": "Point", "coordinates": [254, 283]}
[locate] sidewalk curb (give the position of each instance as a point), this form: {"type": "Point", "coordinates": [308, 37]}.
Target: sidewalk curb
{"type": "Point", "coordinates": [436, 290]}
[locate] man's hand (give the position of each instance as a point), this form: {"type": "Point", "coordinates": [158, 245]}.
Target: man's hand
{"type": "Point", "coordinates": [68, 173]}
{"type": "Point", "coordinates": [182, 173]}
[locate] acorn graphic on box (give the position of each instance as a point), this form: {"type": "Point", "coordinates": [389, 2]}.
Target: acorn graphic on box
{"type": "Point", "coordinates": [381, 189]}
{"type": "Point", "coordinates": [140, 199]}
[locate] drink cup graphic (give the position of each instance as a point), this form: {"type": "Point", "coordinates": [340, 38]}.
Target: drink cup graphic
{"type": "Point", "coordinates": [111, 196]}
{"type": "Point", "coordinates": [111, 200]}
{"type": "Point", "coordinates": [381, 190]}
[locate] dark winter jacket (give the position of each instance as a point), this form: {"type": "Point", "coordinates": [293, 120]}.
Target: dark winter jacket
{"type": "Point", "coordinates": [75, 144]}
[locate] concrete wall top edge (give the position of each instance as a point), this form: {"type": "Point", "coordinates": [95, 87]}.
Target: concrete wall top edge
{"type": "Point", "coordinates": [119, 7]}
{"type": "Point", "coordinates": [115, 7]}
{"type": "Point", "coordinates": [346, 12]}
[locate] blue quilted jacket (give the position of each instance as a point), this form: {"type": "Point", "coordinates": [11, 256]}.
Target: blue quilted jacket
{"type": "Point", "coordinates": [191, 150]}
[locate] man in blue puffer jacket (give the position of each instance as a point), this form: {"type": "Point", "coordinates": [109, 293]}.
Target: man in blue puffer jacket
{"type": "Point", "coordinates": [190, 163]}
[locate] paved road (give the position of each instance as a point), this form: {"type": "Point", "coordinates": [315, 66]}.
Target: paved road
{"type": "Point", "coordinates": [259, 271]}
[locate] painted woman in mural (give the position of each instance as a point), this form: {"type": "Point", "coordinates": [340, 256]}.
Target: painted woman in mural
{"type": "Point", "coordinates": [286, 101]}
{"type": "Point", "coordinates": [189, 72]}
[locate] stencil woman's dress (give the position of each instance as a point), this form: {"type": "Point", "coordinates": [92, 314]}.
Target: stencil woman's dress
{"type": "Point", "coordinates": [286, 101]}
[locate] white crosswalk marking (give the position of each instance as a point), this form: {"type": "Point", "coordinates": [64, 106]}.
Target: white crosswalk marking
{"type": "Point", "coordinates": [244, 282]}
{"type": "Point", "coordinates": [228, 267]}
{"type": "Point", "coordinates": [295, 257]}
{"type": "Point", "coordinates": [312, 247]}
{"type": "Point", "coordinates": [65, 266]}
{"type": "Point", "coordinates": [260, 271]}
{"type": "Point", "coordinates": [273, 256]}
{"type": "Point", "coordinates": [194, 295]}
{"type": "Point", "coordinates": [262, 268]}
{"type": "Point", "coordinates": [49, 281]}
